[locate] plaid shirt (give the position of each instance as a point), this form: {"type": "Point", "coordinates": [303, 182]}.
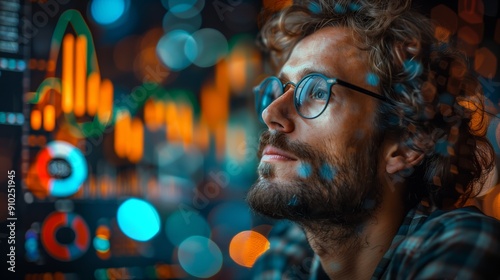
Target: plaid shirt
{"type": "Point", "coordinates": [458, 244]}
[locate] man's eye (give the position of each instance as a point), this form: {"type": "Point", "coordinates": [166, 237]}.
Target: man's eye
{"type": "Point", "coordinates": [319, 95]}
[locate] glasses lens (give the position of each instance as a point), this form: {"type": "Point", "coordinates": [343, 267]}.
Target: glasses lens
{"type": "Point", "coordinates": [269, 90]}
{"type": "Point", "coordinates": [311, 96]}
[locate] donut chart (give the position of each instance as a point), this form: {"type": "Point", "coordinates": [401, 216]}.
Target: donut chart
{"type": "Point", "coordinates": [75, 175]}
{"type": "Point", "coordinates": [65, 252]}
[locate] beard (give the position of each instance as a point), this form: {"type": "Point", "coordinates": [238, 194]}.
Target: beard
{"type": "Point", "coordinates": [329, 190]}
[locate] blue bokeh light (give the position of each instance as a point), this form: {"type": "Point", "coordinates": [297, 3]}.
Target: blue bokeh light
{"type": "Point", "coordinates": [100, 244]}
{"type": "Point", "coordinates": [138, 219]}
{"type": "Point", "coordinates": [185, 223]}
{"type": "Point", "coordinates": [107, 11]}
{"type": "Point", "coordinates": [200, 256]}
{"type": "Point", "coordinates": [372, 79]}
{"type": "Point", "coordinates": [207, 47]}
{"type": "Point", "coordinates": [171, 49]}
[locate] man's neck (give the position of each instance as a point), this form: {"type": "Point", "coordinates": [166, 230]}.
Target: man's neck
{"type": "Point", "coordinates": [357, 256]}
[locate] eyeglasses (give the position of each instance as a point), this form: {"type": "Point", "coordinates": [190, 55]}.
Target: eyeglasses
{"type": "Point", "coordinates": [311, 94]}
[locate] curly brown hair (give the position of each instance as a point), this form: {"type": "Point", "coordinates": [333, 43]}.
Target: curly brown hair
{"type": "Point", "coordinates": [436, 104]}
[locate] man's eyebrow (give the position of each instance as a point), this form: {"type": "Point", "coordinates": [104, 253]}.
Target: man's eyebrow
{"type": "Point", "coordinates": [303, 72]}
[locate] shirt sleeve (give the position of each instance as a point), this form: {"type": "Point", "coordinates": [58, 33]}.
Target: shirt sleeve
{"type": "Point", "coordinates": [288, 257]}
{"type": "Point", "coordinates": [461, 244]}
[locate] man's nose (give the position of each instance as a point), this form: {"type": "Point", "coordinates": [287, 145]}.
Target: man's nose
{"type": "Point", "coordinates": [278, 115]}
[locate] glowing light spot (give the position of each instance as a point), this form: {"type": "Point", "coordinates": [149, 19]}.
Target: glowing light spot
{"type": "Point", "coordinates": [185, 223]}
{"type": "Point", "coordinates": [30, 244]}
{"type": "Point", "coordinates": [354, 7]}
{"type": "Point", "coordinates": [247, 246]}
{"type": "Point", "coordinates": [442, 147]}
{"type": "Point", "coordinates": [314, 7]}
{"type": "Point", "coordinates": [340, 9]}
{"type": "Point", "coordinates": [413, 68]}
{"type": "Point", "coordinates": [447, 99]}
{"type": "Point", "coordinates": [101, 244]}
{"type": "Point", "coordinates": [399, 88]}
{"type": "Point", "coordinates": [19, 118]}
{"type": "Point", "coordinates": [138, 219]}
{"type": "Point", "coordinates": [445, 17]}
{"type": "Point", "coordinates": [472, 11]}
{"type": "Point", "coordinates": [21, 65]}
{"type": "Point", "coordinates": [200, 256]}
{"type": "Point", "coordinates": [207, 47]}
{"type": "Point", "coordinates": [485, 63]}
{"type": "Point", "coordinates": [107, 11]}
{"type": "Point", "coordinates": [372, 79]}
{"type": "Point", "coordinates": [64, 168]}
{"type": "Point", "coordinates": [304, 170]}
{"type": "Point", "coordinates": [171, 47]}
{"type": "Point", "coordinates": [327, 172]}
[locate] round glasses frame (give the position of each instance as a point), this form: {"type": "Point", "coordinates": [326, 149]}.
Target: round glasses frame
{"type": "Point", "coordinates": [329, 83]}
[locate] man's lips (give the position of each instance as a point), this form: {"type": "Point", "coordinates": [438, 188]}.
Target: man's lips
{"type": "Point", "coordinates": [271, 153]}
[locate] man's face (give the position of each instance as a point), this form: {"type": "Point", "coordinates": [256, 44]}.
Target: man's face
{"type": "Point", "coordinates": [321, 169]}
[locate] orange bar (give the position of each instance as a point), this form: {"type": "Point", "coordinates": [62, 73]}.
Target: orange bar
{"type": "Point", "coordinates": [215, 108]}
{"type": "Point", "coordinates": [105, 108]}
{"type": "Point", "coordinates": [237, 71]}
{"type": "Point", "coordinates": [186, 124]}
{"type": "Point", "coordinates": [149, 115]}
{"type": "Point", "coordinates": [222, 79]}
{"type": "Point", "coordinates": [171, 122]}
{"type": "Point", "coordinates": [136, 142]}
{"type": "Point", "coordinates": [202, 137]}
{"type": "Point", "coordinates": [67, 73]}
{"type": "Point", "coordinates": [122, 133]}
{"type": "Point", "coordinates": [49, 117]}
{"type": "Point", "coordinates": [36, 119]}
{"type": "Point", "coordinates": [93, 88]}
{"type": "Point", "coordinates": [159, 112]}
{"type": "Point", "coordinates": [80, 75]}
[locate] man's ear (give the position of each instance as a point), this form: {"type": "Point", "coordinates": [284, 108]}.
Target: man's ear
{"type": "Point", "coordinates": [399, 158]}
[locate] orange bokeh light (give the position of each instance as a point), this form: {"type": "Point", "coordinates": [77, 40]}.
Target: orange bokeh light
{"type": "Point", "coordinates": [472, 11]}
{"type": "Point", "coordinates": [485, 63]}
{"type": "Point", "coordinates": [445, 17]}
{"type": "Point", "coordinates": [247, 246]}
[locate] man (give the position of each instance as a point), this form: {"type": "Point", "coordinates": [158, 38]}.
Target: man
{"type": "Point", "coordinates": [375, 143]}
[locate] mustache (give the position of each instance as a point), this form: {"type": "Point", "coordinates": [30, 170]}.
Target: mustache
{"type": "Point", "coordinates": [281, 141]}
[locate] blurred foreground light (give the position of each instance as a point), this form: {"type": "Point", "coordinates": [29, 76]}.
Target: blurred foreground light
{"type": "Point", "coordinates": [183, 224]}
{"type": "Point", "coordinates": [247, 246]}
{"type": "Point", "coordinates": [138, 219]}
{"type": "Point", "coordinates": [171, 49]}
{"type": "Point", "coordinates": [101, 244]}
{"type": "Point", "coordinates": [107, 11]}
{"type": "Point", "coordinates": [207, 47]}
{"type": "Point", "coordinates": [200, 256]}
